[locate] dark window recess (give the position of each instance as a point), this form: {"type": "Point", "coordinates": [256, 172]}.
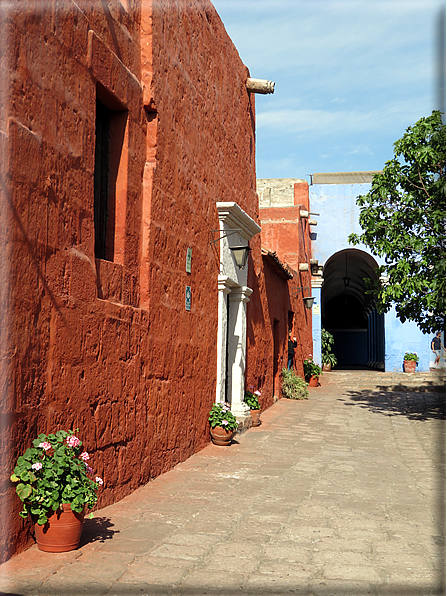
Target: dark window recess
{"type": "Point", "coordinates": [101, 178]}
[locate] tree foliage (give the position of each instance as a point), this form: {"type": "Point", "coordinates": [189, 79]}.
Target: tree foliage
{"type": "Point", "coordinates": [403, 220]}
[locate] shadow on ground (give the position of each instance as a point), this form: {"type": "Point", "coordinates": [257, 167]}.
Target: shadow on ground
{"type": "Point", "coordinates": [413, 405]}
{"type": "Point", "coordinates": [97, 529]}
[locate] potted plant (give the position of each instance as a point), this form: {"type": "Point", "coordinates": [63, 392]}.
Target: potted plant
{"type": "Point", "coordinates": [223, 424]}
{"type": "Point", "coordinates": [252, 401]}
{"type": "Point", "coordinates": [411, 360]}
{"type": "Point", "coordinates": [293, 386]}
{"type": "Point", "coordinates": [312, 371]}
{"type": "Point", "coordinates": [55, 486]}
{"type": "Point", "coordinates": [328, 359]}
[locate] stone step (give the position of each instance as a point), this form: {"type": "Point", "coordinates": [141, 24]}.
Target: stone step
{"type": "Point", "coordinates": [426, 382]}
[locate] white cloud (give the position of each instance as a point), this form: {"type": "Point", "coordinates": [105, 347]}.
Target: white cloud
{"type": "Point", "coordinates": [308, 39]}
{"type": "Point", "coordinates": [327, 123]}
{"type": "Point", "coordinates": [350, 77]}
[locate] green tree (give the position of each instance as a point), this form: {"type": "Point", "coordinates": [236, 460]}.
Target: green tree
{"type": "Point", "coordinates": [403, 220]}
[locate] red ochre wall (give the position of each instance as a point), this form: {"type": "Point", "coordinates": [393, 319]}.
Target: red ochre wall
{"type": "Point", "coordinates": [270, 302]}
{"type": "Point", "coordinates": [288, 235]}
{"type": "Point", "coordinates": [108, 347]}
{"type": "Point", "coordinates": [303, 322]}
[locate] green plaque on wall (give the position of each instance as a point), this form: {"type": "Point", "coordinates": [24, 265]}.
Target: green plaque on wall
{"type": "Point", "coordinates": [188, 260]}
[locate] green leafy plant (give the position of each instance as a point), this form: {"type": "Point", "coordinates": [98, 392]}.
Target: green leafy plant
{"type": "Point", "coordinates": [311, 369]}
{"type": "Point", "coordinates": [221, 415]}
{"type": "Point", "coordinates": [54, 472]}
{"type": "Point", "coordinates": [329, 359]}
{"type": "Point", "coordinates": [411, 356]}
{"type": "Point", "coordinates": [327, 341]}
{"type": "Point", "coordinates": [251, 399]}
{"type": "Point", "coordinates": [293, 386]}
{"type": "Point", "coordinates": [403, 220]}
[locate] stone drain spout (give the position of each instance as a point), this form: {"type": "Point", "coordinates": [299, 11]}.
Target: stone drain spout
{"type": "Point", "coordinates": [260, 86]}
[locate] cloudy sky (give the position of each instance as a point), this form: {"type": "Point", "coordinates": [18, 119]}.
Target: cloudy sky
{"type": "Point", "coordinates": [350, 77]}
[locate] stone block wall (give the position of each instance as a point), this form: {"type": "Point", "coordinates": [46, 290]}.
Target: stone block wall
{"type": "Point", "coordinates": [107, 345]}
{"type": "Point", "coordinates": [277, 192]}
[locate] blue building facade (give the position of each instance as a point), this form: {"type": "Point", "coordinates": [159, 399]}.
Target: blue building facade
{"type": "Point", "coordinates": [363, 337]}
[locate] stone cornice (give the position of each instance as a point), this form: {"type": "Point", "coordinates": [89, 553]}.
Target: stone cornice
{"type": "Point", "coordinates": [232, 216]}
{"type": "Point", "coordinates": [241, 294]}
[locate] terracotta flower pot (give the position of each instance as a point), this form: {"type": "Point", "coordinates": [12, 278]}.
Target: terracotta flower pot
{"type": "Point", "coordinates": [255, 417]}
{"type": "Point", "coordinates": [326, 367]}
{"type": "Point", "coordinates": [313, 381]}
{"type": "Point", "coordinates": [410, 366]}
{"type": "Point", "coordinates": [221, 436]}
{"type": "Point", "coordinates": [62, 532]}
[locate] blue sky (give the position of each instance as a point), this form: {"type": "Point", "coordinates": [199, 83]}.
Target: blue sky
{"type": "Point", "coordinates": [350, 77]}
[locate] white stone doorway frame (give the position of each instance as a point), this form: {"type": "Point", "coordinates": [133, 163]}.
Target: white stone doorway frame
{"type": "Point", "coordinates": [237, 228]}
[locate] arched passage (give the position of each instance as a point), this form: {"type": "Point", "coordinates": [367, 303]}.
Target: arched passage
{"type": "Point", "coordinates": [349, 313]}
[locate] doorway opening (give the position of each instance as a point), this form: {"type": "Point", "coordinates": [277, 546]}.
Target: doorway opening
{"type": "Point", "coordinates": [349, 313]}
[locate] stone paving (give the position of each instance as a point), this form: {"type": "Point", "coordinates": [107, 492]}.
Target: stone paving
{"type": "Point", "coordinates": [342, 494]}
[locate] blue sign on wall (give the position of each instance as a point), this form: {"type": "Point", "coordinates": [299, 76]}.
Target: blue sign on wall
{"type": "Point", "coordinates": [188, 298]}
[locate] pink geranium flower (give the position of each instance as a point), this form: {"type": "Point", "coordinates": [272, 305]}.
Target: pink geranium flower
{"type": "Point", "coordinates": [73, 441]}
{"type": "Point", "coordinates": [45, 445]}
{"type": "Point", "coordinates": [84, 456]}
{"type": "Point", "coordinates": [37, 466]}
{"type": "Point", "coordinates": [99, 480]}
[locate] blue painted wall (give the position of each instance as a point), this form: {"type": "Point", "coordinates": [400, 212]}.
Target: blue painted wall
{"type": "Point", "coordinates": [401, 338]}
{"type": "Point", "coordinates": [339, 217]}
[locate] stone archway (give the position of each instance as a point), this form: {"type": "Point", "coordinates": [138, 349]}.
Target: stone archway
{"type": "Point", "coordinates": [349, 313]}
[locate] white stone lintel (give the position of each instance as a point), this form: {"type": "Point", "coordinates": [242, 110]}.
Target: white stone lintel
{"type": "Point", "coordinates": [233, 217]}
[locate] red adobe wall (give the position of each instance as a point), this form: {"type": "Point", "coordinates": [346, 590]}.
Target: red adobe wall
{"type": "Point", "coordinates": [108, 346]}
{"type": "Point", "coordinates": [282, 232]}
{"type": "Point", "coordinates": [267, 327]}
{"type": "Point", "coordinates": [287, 234]}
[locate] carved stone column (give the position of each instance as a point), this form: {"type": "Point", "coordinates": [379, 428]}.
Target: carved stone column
{"type": "Point", "coordinates": [237, 345]}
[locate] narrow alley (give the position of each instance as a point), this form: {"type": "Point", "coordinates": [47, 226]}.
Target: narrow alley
{"type": "Point", "coordinates": [338, 495]}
